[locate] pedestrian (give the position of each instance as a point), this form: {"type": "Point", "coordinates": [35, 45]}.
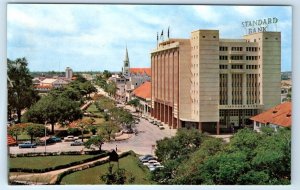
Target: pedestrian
{"type": "Point", "coordinates": [116, 148]}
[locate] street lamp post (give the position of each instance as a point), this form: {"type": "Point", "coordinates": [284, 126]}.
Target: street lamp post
{"type": "Point", "coordinates": [45, 136]}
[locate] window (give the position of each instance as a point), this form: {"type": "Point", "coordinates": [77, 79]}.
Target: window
{"type": "Point", "coordinates": [223, 66]}
{"type": "Point", "coordinates": [223, 57]}
{"type": "Point", "coordinates": [236, 57]}
{"type": "Point", "coordinates": [236, 48]}
{"type": "Point", "coordinates": [236, 66]}
{"type": "Point", "coordinates": [222, 48]}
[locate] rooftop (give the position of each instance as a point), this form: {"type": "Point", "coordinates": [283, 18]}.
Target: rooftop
{"type": "Point", "coordinates": [143, 91]}
{"type": "Point", "coordinates": [11, 140]}
{"type": "Point", "coordinates": [279, 115]}
{"type": "Point", "coordinates": [141, 71]}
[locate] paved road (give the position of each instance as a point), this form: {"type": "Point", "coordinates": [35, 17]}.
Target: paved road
{"type": "Point", "coordinates": [141, 143]}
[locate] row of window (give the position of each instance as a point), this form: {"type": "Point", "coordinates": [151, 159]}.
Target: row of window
{"type": "Point", "coordinates": [251, 48]}
{"type": "Point", "coordinates": [224, 48]}
{"type": "Point", "coordinates": [251, 57]}
{"type": "Point", "coordinates": [238, 66]}
{"type": "Point", "coordinates": [236, 48]}
{"type": "Point", "coordinates": [251, 66]}
{"type": "Point", "coordinates": [236, 57]}
{"type": "Point", "coordinates": [223, 57]}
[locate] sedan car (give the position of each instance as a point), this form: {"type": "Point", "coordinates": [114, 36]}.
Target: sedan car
{"type": "Point", "coordinates": [27, 144]}
{"type": "Point", "coordinates": [150, 162]}
{"type": "Point", "coordinates": [77, 143]}
{"type": "Point", "coordinates": [148, 159]}
{"type": "Point", "coordinates": [145, 156]}
{"type": "Point", "coordinates": [70, 138]}
{"type": "Point", "coordinates": [55, 139]}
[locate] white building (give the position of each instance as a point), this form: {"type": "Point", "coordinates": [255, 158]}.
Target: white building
{"type": "Point", "coordinates": [69, 73]}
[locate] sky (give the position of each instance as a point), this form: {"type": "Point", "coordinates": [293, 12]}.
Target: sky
{"type": "Point", "coordinates": [91, 37]}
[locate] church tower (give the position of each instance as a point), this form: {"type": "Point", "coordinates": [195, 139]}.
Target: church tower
{"type": "Point", "coordinates": [126, 67]}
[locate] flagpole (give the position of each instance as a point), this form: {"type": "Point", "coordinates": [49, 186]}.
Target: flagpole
{"type": "Point", "coordinates": [157, 41]}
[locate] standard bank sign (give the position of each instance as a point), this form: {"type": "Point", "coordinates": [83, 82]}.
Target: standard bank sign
{"type": "Point", "coordinates": [260, 25]}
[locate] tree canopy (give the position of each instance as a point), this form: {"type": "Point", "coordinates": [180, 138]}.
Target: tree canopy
{"type": "Point", "coordinates": [21, 93]}
{"type": "Point", "coordinates": [53, 109]}
{"type": "Point", "coordinates": [249, 158]}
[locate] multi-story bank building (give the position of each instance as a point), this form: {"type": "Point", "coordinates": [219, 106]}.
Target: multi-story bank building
{"type": "Point", "coordinates": [215, 84]}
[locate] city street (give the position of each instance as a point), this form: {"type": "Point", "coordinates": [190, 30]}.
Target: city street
{"type": "Point", "coordinates": [141, 143]}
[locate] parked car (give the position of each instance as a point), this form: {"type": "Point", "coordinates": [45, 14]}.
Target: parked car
{"type": "Point", "coordinates": [27, 144]}
{"type": "Point", "coordinates": [145, 156]}
{"type": "Point", "coordinates": [70, 138]}
{"type": "Point", "coordinates": [155, 166]}
{"type": "Point", "coordinates": [148, 159]}
{"type": "Point", "coordinates": [55, 139]}
{"type": "Point", "coordinates": [150, 162]}
{"type": "Point", "coordinates": [77, 143]}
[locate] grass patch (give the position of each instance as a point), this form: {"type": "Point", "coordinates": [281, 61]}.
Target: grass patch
{"type": "Point", "coordinates": [93, 109]}
{"type": "Point", "coordinates": [42, 162]}
{"type": "Point", "coordinates": [92, 175]}
{"type": "Point", "coordinates": [97, 120]}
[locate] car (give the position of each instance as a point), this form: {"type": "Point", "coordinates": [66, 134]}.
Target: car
{"type": "Point", "coordinates": [154, 167]}
{"type": "Point", "coordinates": [145, 156]}
{"type": "Point", "coordinates": [150, 162]}
{"type": "Point", "coordinates": [148, 159]}
{"type": "Point", "coordinates": [55, 139]}
{"type": "Point", "coordinates": [27, 144]}
{"type": "Point", "coordinates": [70, 138]}
{"type": "Point", "coordinates": [77, 143]}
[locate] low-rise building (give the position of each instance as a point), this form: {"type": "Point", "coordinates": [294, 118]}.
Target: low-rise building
{"type": "Point", "coordinates": [143, 94]}
{"type": "Point", "coordinates": [276, 117]}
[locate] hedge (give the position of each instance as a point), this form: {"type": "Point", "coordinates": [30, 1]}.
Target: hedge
{"type": "Point", "coordinates": [29, 170]}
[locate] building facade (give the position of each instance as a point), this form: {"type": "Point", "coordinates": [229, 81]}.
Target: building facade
{"type": "Point", "coordinates": [69, 73]}
{"type": "Point", "coordinates": [211, 83]}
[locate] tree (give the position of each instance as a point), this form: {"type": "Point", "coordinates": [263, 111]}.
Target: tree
{"type": "Point", "coordinates": [52, 109]}
{"type": "Point", "coordinates": [96, 141]}
{"type": "Point", "coordinates": [122, 117]}
{"type": "Point", "coordinates": [179, 146]}
{"type": "Point", "coordinates": [135, 103]}
{"type": "Point", "coordinates": [106, 74]}
{"type": "Point", "coordinates": [111, 88]}
{"type": "Point", "coordinates": [116, 177]}
{"type": "Point", "coordinates": [80, 79]}
{"type": "Point", "coordinates": [93, 129]}
{"type": "Point", "coordinates": [87, 88]}
{"type": "Point", "coordinates": [82, 124]}
{"type": "Point", "coordinates": [15, 131]}
{"type": "Point", "coordinates": [21, 93]}
{"type": "Point", "coordinates": [249, 158]}
{"type": "Point", "coordinates": [35, 130]}
{"type": "Point", "coordinates": [109, 127]}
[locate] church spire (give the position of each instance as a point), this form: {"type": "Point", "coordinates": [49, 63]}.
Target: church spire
{"type": "Point", "coordinates": [126, 63]}
{"type": "Point", "coordinates": [126, 57]}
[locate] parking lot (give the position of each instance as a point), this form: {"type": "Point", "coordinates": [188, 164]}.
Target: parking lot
{"type": "Point", "coordinates": [141, 143]}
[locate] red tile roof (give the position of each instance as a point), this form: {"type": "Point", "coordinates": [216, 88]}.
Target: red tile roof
{"type": "Point", "coordinates": [44, 86]}
{"type": "Point", "coordinates": [11, 140]}
{"type": "Point", "coordinates": [143, 91]}
{"type": "Point", "coordinates": [141, 71]}
{"type": "Point", "coordinates": [279, 115]}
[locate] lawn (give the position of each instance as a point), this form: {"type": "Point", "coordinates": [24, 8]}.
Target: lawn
{"type": "Point", "coordinates": [92, 108]}
{"type": "Point", "coordinates": [42, 162]}
{"type": "Point", "coordinates": [92, 175]}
